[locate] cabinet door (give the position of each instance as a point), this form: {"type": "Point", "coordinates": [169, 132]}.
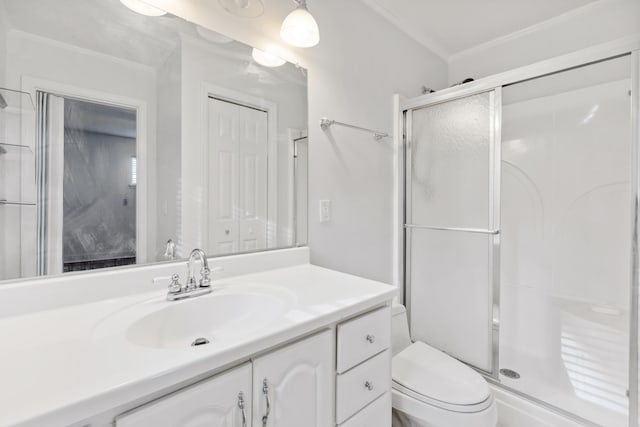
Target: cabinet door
{"type": "Point", "coordinates": [211, 403]}
{"type": "Point", "coordinates": [297, 380]}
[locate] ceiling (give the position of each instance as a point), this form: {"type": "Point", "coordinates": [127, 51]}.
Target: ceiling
{"type": "Point", "coordinates": [448, 27]}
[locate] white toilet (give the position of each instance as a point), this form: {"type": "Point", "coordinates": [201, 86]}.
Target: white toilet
{"type": "Point", "coordinates": [432, 389]}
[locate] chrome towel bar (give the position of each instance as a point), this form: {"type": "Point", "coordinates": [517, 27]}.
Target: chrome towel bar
{"type": "Point", "coordinates": [326, 123]}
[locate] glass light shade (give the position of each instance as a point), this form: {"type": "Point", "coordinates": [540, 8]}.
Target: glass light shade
{"type": "Point", "coordinates": [143, 8]}
{"type": "Point", "coordinates": [267, 59]}
{"type": "Point", "coordinates": [300, 29]}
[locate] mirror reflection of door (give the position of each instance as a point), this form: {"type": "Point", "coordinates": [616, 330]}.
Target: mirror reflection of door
{"type": "Point", "coordinates": [238, 152]}
{"type": "Point", "coordinates": [300, 170]}
{"type": "Point", "coordinates": [89, 176]}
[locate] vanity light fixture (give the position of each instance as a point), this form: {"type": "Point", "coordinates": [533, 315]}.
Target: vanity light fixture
{"type": "Point", "coordinates": [267, 59]}
{"type": "Point", "coordinates": [299, 28]}
{"type": "Point", "coordinates": [143, 8]}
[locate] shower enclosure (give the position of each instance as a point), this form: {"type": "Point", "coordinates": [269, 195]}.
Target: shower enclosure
{"type": "Point", "coordinates": [521, 215]}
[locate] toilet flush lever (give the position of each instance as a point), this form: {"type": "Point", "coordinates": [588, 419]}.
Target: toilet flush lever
{"type": "Point", "coordinates": [371, 338]}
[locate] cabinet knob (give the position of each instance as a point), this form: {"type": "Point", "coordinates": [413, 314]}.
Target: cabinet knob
{"type": "Point", "coordinates": [371, 338]}
{"type": "Point", "coordinates": [368, 385]}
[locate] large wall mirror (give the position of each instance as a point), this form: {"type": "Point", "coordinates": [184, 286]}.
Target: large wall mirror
{"type": "Point", "coordinates": [132, 139]}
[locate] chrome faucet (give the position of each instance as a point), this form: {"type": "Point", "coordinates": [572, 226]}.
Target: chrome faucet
{"type": "Point", "coordinates": [192, 288]}
{"type": "Point", "coordinates": [205, 281]}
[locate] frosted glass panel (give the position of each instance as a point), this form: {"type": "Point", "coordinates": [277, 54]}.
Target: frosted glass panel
{"type": "Point", "coordinates": [566, 240]}
{"type": "Point", "coordinates": [450, 294]}
{"type": "Point", "coordinates": [450, 151]}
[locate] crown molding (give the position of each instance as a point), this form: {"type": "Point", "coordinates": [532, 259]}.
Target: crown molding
{"type": "Point", "coordinates": [540, 26]}
{"type": "Point", "coordinates": [416, 35]}
{"type": "Point", "coordinates": [449, 57]}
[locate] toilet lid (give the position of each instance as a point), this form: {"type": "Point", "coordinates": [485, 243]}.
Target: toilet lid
{"type": "Point", "coordinates": [435, 375]}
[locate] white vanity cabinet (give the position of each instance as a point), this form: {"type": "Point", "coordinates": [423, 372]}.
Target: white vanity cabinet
{"type": "Point", "coordinates": [297, 383]}
{"type": "Point", "coordinates": [222, 401]}
{"type": "Point", "coordinates": [320, 339]}
{"type": "Point", "coordinates": [296, 380]}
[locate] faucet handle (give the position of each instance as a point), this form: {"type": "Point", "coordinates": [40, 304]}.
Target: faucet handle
{"type": "Point", "coordinates": [205, 272]}
{"type": "Point", "coordinates": [174, 287]}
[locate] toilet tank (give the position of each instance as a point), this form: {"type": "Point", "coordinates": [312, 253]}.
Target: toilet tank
{"type": "Point", "coordinates": [400, 338]}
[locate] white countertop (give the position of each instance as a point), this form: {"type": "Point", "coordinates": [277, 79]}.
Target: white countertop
{"type": "Point", "coordinates": [64, 365]}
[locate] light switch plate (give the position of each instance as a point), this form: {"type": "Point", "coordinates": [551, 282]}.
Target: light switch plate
{"type": "Point", "coordinates": [325, 210]}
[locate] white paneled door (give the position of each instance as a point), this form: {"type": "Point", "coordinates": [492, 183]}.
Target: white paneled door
{"type": "Point", "coordinates": [291, 385]}
{"type": "Point", "coordinates": [238, 153]}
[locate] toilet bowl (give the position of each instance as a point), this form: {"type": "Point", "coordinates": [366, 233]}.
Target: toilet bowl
{"type": "Point", "coordinates": [432, 389]}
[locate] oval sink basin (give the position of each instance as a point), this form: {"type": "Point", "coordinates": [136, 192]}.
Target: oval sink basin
{"type": "Point", "coordinates": [205, 320]}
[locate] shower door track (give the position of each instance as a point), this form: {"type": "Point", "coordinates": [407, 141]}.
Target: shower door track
{"type": "Point", "coordinates": [605, 52]}
{"type": "Point", "coordinates": [542, 403]}
{"type": "Point", "coordinates": [599, 53]}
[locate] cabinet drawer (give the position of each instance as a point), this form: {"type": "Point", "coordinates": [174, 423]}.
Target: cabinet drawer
{"type": "Point", "coordinates": [376, 414]}
{"type": "Point", "coordinates": [361, 338]}
{"type": "Point", "coordinates": [362, 385]}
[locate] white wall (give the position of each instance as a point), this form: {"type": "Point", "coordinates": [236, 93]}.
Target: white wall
{"type": "Point", "coordinates": [600, 22]}
{"type": "Point", "coordinates": [9, 216]}
{"type": "Point", "coordinates": [360, 62]}
{"type": "Point", "coordinates": [352, 79]}
{"type": "Point", "coordinates": [168, 153]}
{"type": "Point", "coordinates": [3, 47]}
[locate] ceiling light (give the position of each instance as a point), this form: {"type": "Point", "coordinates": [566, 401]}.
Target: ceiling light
{"type": "Point", "coordinates": [299, 28]}
{"type": "Point", "coordinates": [143, 8]}
{"type": "Point", "coordinates": [267, 59]}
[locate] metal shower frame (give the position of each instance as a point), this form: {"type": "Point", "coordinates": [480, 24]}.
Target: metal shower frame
{"type": "Point", "coordinates": [404, 107]}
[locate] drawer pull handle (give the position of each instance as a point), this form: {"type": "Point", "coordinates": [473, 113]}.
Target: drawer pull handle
{"type": "Point", "coordinates": [371, 338]}
{"type": "Point", "coordinates": [241, 406]}
{"type": "Point", "coordinates": [368, 385]}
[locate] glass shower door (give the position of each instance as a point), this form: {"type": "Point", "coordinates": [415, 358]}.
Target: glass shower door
{"type": "Point", "coordinates": [566, 240]}
{"type": "Point", "coordinates": [452, 226]}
